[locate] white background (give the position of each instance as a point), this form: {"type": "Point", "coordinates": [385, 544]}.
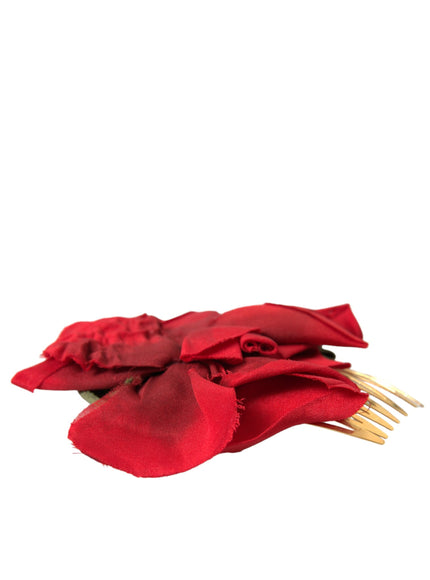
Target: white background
{"type": "Point", "coordinates": [165, 156]}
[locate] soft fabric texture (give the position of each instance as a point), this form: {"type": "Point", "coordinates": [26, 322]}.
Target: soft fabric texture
{"type": "Point", "coordinates": [175, 393]}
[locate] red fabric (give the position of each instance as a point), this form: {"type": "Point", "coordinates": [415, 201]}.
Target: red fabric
{"type": "Point", "coordinates": [176, 421]}
{"type": "Point", "coordinates": [215, 342]}
{"type": "Point", "coordinates": [53, 375]}
{"type": "Point", "coordinates": [278, 394]}
{"type": "Point", "coordinates": [185, 389]}
{"type": "Point", "coordinates": [113, 342]}
{"type": "Point", "coordinates": [293, 325]}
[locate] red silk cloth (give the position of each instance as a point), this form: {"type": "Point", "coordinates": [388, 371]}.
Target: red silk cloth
{"type": "Point", "coordinates": [183, 390]}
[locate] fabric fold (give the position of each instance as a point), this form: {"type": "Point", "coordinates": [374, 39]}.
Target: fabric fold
{"type": "Point", "coordinates": [279, 394]}
{"type": "Point", "coordinates": [214, 342]}
{"type": "Point", "coordinates": [55, 375]}
{"type": "Point", "coordinates": [115, 342]}
{"type": "Point", "coordinates": [294, 325]}
{"type": "Point", "coordinates": [175, 421]}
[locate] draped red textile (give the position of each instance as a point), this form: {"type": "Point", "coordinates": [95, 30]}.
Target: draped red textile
{"type": "Point", "coordinates": [175, 393]}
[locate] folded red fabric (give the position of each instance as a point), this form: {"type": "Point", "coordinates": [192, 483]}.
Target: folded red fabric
{"type": "Point", "coordinates": [175, 393]}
